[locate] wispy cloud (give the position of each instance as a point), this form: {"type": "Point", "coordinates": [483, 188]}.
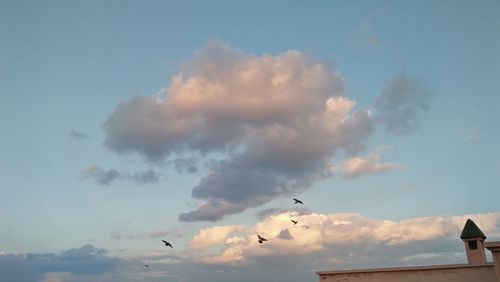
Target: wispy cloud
{"type": "Point", "coordinates": [358, 166]}
{"type": "Point", "coordinates": [107, 176]}
{"type": "Point", "coordinates": [186, 165]}
{"type": "Point", "coordinates": [473, 136]}
{"type": "Point", "coordinates": [274, 211]}
{"type": "Point", "coordinates": [402, 104]}
{"type": "Point", "coordinates": [145, 177]}
{"type": "Point", "coordinates": [149, 235]}
{"type": "Point", "coordinates": [101, 176]}
{"type": "Point", "coordinates": [364, 37]}
{"type": "Point", "coordinates": [77, 135]}
{"type": "Point", "coordinates": [434, 256]}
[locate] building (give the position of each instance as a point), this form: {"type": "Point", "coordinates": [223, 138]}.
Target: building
{"type": "Point", "coordinates": [476, 270]}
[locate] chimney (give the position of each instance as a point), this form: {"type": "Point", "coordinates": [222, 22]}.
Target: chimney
{"type": "Point", "coordinates": [473, 239]}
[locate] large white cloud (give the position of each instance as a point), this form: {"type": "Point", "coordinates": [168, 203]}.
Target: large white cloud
{"type": "Point", "coordinates": [320, 233]}
{"type": "Point", "coordinates": [277, 120]}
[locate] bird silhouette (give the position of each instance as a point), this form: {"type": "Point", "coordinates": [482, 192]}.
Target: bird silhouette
{"type": "Point", "coordinates": [297, 201]}
{"type": "Point", "coordinates": [146, 265]}
{"type": "Point", "coordinates": [167, 244]}
{"type": "Point", "coordinates": [294, 221]}
{"type": "Point", "coordinates": [261, 239]}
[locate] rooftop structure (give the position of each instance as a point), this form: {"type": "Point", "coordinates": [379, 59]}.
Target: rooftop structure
{"type": "Point", "coordinates": [477, 268]}
{"type": "Point", "coordinates": [471, 231]}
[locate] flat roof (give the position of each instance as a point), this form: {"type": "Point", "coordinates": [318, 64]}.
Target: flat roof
{"type": "Point", "coordinates": [493, 246]}
{"type": "Point", "coordinates": [405, 268]}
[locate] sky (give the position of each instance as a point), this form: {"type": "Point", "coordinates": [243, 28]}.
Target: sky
{"type": "Point", "coordinates": [124, 123]}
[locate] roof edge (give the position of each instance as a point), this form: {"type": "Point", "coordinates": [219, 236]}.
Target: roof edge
{"type": "Point", "coordinates": [405, 268]}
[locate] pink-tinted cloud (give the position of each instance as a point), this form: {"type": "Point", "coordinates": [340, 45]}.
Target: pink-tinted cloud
{"type": "Point", "coordinates": [277, 120]}
{"type": "Point", "coordinates": [212, 236]}
{"type": "Point", "coordinates": [358, 166]}
{"type": "Point", "coordinates": [329, 231]}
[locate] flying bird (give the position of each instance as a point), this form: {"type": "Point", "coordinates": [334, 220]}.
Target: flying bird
{"type": "Point", "coordinates": [167, 244]}
{"type": "Point", "coordinates": [297, 201]}
{"type": "Point", "coordinates": [146, 265]}
{"type": "Point", "coordinates": [294, 221]}
{"type": "Point", "coordinates": [261, 239]}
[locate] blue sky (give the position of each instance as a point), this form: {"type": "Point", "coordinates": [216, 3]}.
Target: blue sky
{"type": "Point", "coordinates": [92, 128]}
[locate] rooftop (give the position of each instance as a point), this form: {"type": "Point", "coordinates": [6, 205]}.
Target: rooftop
{"type": "Point", "coordinates": [407, 268]}
{"type": "Point", "coordinates": [471, 231]}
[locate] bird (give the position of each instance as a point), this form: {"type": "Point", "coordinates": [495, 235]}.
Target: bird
{"type": "Point", "coordinates": [294, 221]}
{"type": "Point", "coordinates": [297, 201]}
{"type": "Point", "coordinates": [146, 265]}
{"type": "Point", "coordinates": [167, 244]}
{"type": "Point", "coordinates": [261, 239]}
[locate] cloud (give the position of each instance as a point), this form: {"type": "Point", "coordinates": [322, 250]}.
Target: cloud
{"type": "Point", "coordinates": [268, 124]}
{"type": "Point", "coordinates": [214, 235]}
{"type": "Point", "coordinates": [402, 104]}
{"type": "Point", "coordinates": [473, 136]}
{"type": "Point", "coordinates": [145, 177]}
{"type": "Point", "coordinates": [343, 231]}
{"type": "Point", "coordinates": [285, 235]}
{"type": "Point", "coordinates": [272, 121]}
{"type": "Point", "coordinates": [149, 235]}
{"type": "Point", "coordinates": [56, 277]}
{"type": "Point", "coordinates": [87, 260]}
{"type": "Point", "coordinates": [77, 135]}
{"type": "Point", "coordinates": [107, 176]}
{"type": "Point", "coordinates": [363, 37]}
{"type": "Point", "coordinates": [274, 211]}
{"type": "Point", "coordinates": [186, 165]}
{"type": "Point", "coordinates": [357, 166]}
{"type": "Point", "coordinates": [333, 241]}
{"type": "Point", "coordinates": [89, 263]}
{"type": "Point", "coordinates": [433, 256]}
{"type": "Point", "coordinates": [101, 176]}
{"type": "Point", "coordinates": [115, 236]}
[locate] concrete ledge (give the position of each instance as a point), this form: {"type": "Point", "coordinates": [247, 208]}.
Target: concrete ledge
{"type": "Point", "coordinates": [493, 246]}
{"type": "Point", "coordinates": [402, 269]}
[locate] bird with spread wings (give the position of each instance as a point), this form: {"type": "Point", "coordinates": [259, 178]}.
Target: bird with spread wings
{"type": "Point", "coordinates": [261, 239]}
{"type": "Point", "coordinates": [167, 244]}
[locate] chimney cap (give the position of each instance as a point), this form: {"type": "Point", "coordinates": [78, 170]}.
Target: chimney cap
{"type": "Point", "coordinates": [471, 231]}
